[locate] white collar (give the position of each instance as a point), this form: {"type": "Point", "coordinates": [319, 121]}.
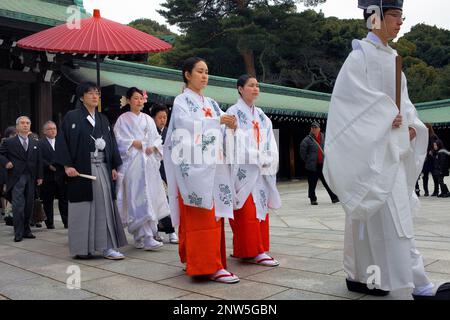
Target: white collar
{"type": "Point", "coordinates": [250, 109]}
{"type": "Point", "coordinates": [196, 95]}
{"type": "Point", "coordinates": [188, 90]}
{"type": "Point", "coordinates": [374, 38]}
{"type": "Point", "coordinates": [376, 41]}
{"type": "Point", "coordinates": [134, 114]}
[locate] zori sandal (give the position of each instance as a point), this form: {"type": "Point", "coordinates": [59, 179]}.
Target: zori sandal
{"type": "Point", "coordinates": [264, 260]}
{"type": "Point", "coordinates": [224, 276]}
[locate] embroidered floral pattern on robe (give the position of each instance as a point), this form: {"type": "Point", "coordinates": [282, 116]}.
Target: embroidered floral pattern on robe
{"type": "Point", "coordinates": [195, 200]}
{"type": "Point", "coordinates": [262, 119]}
{"type": "Point", "coordinates": [206, 141]}
{"type": "Point", "coordinates": [192, 106]}
{"type": "Point", "coordinates": [242, 174]}
{"type": "Point", "coordinates": [263, 198]}
{"type": "Point", "coordinates": [184, 167]}
{"type": "Point", "coordinates": [216, 107]}
{"type": "Point", "coordinates": [242, 117]}
{"type": "Point", "coordinates": [225, 194]}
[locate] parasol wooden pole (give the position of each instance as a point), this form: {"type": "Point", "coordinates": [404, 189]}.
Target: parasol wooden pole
{"type": "Point", "coordinates": [98, 83]}
{"type": "Point", "coordinates": [398, 81]}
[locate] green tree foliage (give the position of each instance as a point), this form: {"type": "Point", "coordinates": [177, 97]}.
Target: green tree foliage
{"type": "Point", "coordinates": [426, 52]}
{"type": "Point", "coordinates": [158, 30]}
{"type": "Point", "coordinates": [238, 26]}
{"type": "Point", "coordinates": [433, 44]}
{"type": "Point", "coordinates": [270, 39]}
{"type": "Point", "coordinates": [151, 27]}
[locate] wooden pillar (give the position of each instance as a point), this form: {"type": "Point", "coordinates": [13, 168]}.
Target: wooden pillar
{"type": "Point", "coordinates": [44, 104]}
{"type": "Point", "coordinates": [291, 157]}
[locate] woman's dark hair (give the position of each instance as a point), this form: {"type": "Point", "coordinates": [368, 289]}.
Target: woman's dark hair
{"type": "Point", "coordinates": [242, 81]}
{"type": "Point", "coordinates": [440, 144]}
{"type": "Point", "coordinates": [85, 87]}
{"type": "Point", "coordinates": [10, 131]}
{"type": "Point", "coordinates": [188, 66]}
{"type": "Point", "coordinates": [156, 107]}
{"type": "Point", "coordinates": [132, 90]}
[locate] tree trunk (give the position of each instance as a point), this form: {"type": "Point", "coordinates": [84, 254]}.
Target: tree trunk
{"type": "Point", "coordinates": [249, 61]}
{"type": "Point", "coordinates": [247, 54]}
{"type": "Point", "coordinates": [240, 4]}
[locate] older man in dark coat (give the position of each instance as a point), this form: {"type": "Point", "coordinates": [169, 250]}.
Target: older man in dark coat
{"type": "Point", "coordinates": [55, 179]}
{"type": "Point", "coordinates": [21, 156]}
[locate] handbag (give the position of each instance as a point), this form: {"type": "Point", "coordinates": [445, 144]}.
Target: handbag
{"type": "Point", "coordinates": [38, 209]}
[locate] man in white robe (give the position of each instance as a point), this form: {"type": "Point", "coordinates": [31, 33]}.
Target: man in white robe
{"type": "Point", "coordinates": [141, 198]}
{"type": "Point", "coordinates": [374, 156]}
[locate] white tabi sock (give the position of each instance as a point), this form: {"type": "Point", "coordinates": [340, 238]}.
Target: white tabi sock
{"type": "Point", "coordinates": [425, 290]}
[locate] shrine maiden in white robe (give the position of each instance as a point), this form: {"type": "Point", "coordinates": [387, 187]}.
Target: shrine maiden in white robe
{"type": "Point", "coordinates": [194, 159]}
{"type": "Point", "coordinates": [255, 162]}
{"type": "Point", "coordinates": [141, 197]}
{"type": "Point", "coordinates": [373, 167]}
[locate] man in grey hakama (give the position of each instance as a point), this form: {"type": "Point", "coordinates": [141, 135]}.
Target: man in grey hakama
{"type": "Point", "coordinates": [95, 225]}
{"type": "Point", "coordinates": [87, 146]}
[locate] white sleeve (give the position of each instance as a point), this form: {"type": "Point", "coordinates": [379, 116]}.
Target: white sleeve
{"type": "Point", "coordinates": [361, 161]}
{"type": "Point", "coordinates": [124, 142]}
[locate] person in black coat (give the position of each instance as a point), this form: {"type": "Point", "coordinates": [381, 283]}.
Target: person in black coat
{"type": "Point", "coordinates": [428, 165]}
{"type": "Point", "coordinates": [159, 113]}
{"type": "Point", "coordinates": [55, 179]}
{"type": "Point", "coordinates": [21, 156]}
{"type": "Point", "coordinates": [86, 145]}
{"type": "Point", "coordinates": [9, 132]}
{"type": "Point", "coordinates": [2, 183]}
{"type": "Point", "coordinates": [442, 163]}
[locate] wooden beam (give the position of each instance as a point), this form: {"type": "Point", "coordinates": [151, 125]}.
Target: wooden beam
{"type": "Point", "coordinates": [17, 76]}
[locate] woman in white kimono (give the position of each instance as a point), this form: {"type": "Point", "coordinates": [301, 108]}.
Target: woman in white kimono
{"type": "Point", "coordinates": [200, 189]}
{"type": "Point", "coordinates": [140, 193]}
{"type": "Point", "coordinates": [254, 176]}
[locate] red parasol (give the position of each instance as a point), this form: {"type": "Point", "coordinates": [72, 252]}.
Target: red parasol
{"type": "Point", "coordinates": [96, 35]}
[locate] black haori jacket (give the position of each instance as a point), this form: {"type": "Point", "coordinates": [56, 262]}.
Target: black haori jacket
{"type": "Point", "coordinates": [74, 145]}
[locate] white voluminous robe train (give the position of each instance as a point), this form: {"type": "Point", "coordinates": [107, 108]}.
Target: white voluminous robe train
{"type": "Point", "coordinates": [141, 197]}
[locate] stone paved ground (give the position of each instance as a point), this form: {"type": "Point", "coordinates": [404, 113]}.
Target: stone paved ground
{"type": "Point", "coordinates": [307, 240]}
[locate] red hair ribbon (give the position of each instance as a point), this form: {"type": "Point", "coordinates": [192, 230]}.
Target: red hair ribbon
{"type": "Point", "coordinates": [256, 132]}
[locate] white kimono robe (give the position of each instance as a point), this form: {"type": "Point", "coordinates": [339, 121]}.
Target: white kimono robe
{"type": "Point", "coordinates": [140, 192]}
{"type": "Point", "coordinates": [373, 168]}
{"type": "Point", "coordinates": [194, 159]}
{"type": "Point", "coordinates": [256, 162]}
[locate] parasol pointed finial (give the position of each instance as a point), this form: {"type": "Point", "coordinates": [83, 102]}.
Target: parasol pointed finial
{"type": "Point", "coordinates": [97, 13]}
